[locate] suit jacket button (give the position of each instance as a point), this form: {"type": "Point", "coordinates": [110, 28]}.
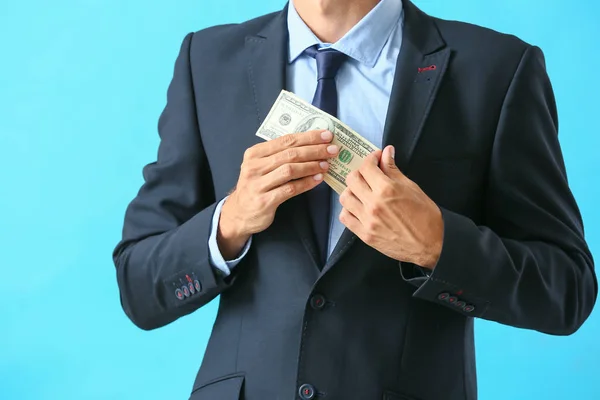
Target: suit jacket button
{"type": "Point", "coordinates": [197, 285]}
{"type": "Point", "coordinates": [192, 288]}
{"type": "Point", "coordinates": [460, 304]}
{"type": "Point", "coordinates": [307, 392]}
{"type": "Point", "coordinates": [452, 300]}
{"type": "Point", "coordinates": [443, 296]}
{"type": "Point", "coordinates": [179, 294]}
{"type": "Point", "coordinates": [469, 308]}
{"type": "Point", "coordinates": [185, 290]}
{"type": "Point", "coordinates": [317, 302]}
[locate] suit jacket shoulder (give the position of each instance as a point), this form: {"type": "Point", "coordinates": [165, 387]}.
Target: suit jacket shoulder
{"type": "Point", "coordinates": [223, 40]}
{"type": "Point", "coordinates": [489, 50]}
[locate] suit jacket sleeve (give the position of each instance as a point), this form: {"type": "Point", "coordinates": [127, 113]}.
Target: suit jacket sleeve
{"type": "Point", "coordinates": [167, 226]}
{"type": "Point", "coordinates": [528, 264]}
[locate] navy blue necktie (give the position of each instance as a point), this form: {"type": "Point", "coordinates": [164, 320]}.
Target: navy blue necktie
{"type": "Point", "coordinates": [329, 62]}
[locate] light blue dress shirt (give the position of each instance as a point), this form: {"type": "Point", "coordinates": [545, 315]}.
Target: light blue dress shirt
{"type": "Point", "coordinates": [364, 84]}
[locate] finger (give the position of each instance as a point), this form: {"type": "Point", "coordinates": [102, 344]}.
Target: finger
{"type": "Point", "coordinates": [359, 186]}
{"type": "Point", "coordinates": [373, 157]}
{"type": "Point", "coordinates": [350, 221]}
{"type": "Point", "coordinates": [293, 171]}
{"type": "Point", "coordinates": [371, 172]}
{"type": "Point", "coordinates": [294, 155]}
{"type": "Point", "coordinates": [287, 142]}
{"type": "Point", "coordinates": [352, 203]}
{"type": "Point", "coordinates": [294, 188]}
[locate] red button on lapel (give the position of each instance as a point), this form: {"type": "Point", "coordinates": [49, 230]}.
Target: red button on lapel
{"type": "Point", "coordinates": [430, 68]}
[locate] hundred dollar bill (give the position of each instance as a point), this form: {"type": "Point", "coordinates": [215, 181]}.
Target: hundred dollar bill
{"type": "Point", "coordinates": [291, 114]}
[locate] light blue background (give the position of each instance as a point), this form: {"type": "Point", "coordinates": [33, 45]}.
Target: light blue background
{"type": "Point", "coordinates": [81, 86]}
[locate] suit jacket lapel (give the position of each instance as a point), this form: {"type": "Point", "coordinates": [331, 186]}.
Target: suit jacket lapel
{"type": "Point", "coordinates": [419, 70]}
{"type": "Point", "coordinates": [267, 61]}
{"type": "Point", "coordinates": [420, 67]}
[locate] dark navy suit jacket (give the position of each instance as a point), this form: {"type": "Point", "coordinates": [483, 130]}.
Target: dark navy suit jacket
{"type": "Point", "coordinates": [477, 130]}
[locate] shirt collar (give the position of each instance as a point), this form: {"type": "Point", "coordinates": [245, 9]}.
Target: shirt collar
{"type": "Point", "coordinates": [363, 42]}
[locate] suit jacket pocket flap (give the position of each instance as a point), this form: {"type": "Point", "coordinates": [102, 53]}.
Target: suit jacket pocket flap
{"type": "Point", "coordinates": [226, 388]}
{"type": "Point", "coordinates": [397, 396]}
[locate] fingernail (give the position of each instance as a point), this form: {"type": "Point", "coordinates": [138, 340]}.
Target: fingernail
{"type": "Point", "coordinates": [324, 164]}
{"type": "Point", "coordinates": [393, 152]}
{"type": "Point", "coordinates": [326, 135]}
{"type": "Point", "coordinates": [333, 149]}
{"type": "Point", "coordinates": [318, 177]}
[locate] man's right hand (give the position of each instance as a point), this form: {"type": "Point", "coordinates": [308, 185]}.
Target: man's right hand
{"type": "Point", "coordinates": [271, 173]}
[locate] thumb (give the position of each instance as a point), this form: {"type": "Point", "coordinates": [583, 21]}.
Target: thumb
{"type": "Point", "coordinates": [387, 163]}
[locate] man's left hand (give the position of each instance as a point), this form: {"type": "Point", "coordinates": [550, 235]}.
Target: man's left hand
{"type": "Point", "coordinates": [391, 213]}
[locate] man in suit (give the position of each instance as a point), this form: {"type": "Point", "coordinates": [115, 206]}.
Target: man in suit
{"type": "Point", "coordinates": [466, 213]}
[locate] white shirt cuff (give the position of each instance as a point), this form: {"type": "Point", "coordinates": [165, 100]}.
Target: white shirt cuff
{"type": "Point", "coordinates": [216, 258]}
